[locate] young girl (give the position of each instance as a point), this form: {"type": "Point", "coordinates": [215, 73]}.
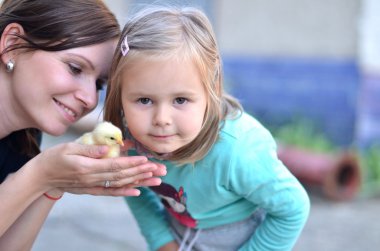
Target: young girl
{"type": "Point", "coordinates": [223, 170]}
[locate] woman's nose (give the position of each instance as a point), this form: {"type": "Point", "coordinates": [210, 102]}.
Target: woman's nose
{"type": "Point", "coordinates": [88, 95]}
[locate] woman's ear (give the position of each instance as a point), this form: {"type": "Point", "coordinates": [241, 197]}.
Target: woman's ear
{"type": "Point", "coordinates": [9, 38]}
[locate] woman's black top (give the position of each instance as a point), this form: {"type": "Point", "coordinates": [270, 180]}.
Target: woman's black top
{"type": "Point", "coordinates": [10, 159]}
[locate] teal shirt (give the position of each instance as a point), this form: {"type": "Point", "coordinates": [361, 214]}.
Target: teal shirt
{"type": "Point", "coordinates": [240, 173]}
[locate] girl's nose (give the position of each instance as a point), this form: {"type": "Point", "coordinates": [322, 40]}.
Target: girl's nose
{"type": "Point", "coordinates": [162, 116]}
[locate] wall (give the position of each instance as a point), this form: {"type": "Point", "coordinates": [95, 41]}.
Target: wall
{"type": "Point", "coordinates": [368, 122]}
{"type": "Point", "coordinates": [296, 58]}
{"type": "Point", "coordinates": [293, 58]}
{"type": "Point", "coordinates": [291, 28]}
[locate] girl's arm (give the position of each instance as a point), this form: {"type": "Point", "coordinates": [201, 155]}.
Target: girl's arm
{"type": "Point", "coordinates": [262, 179]}
{"type": "Point", "coordinates": [171, 246]}
{"type": "Point", "coordinates": [151, 218]}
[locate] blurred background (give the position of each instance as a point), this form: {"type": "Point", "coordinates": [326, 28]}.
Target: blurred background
{"type": "Point", "coordinates": [310, 72]}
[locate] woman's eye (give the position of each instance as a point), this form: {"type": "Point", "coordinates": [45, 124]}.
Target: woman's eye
{"type": "Point", "coordinates": [100, 83]}
{"type": "Point", "coordinates": [75, 69]}
{"type": "Point", "coordinates": [180, 100]}
{"type": "Point", "coordinates": [144, 101]}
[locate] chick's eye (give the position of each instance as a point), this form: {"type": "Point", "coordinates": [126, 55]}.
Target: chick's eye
{"type": "Point", "coordinates": [180, 100]}
{"type": "Point", "coordinates": [144, 101]}
{"type": "Point", "coordinates": [112, 138]}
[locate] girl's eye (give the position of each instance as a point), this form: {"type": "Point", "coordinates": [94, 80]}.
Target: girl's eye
{"type": "Point", "coordinates": [180, 101]}
{"type": "Point", "coordinates": [100, 83]}
{"type": "Point", "coordinates": [144, 101]}
{"type": "Point", "coordinates": [75, 69]}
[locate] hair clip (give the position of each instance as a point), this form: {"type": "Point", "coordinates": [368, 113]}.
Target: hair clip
{"type": "Point", "coordinates": [124, 47]}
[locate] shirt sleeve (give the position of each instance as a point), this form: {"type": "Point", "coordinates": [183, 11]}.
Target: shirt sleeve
{"type": "Point", "coordinates": [259, 176]}
{"type": "Point", "coordinates": [151, 218]}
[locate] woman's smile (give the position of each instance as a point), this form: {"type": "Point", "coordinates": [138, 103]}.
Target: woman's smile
{"type": "Point", "coordinates": [68, 113]}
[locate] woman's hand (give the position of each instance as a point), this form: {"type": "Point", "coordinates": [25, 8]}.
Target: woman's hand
{"type": "Point", "coordinates": [127, 190]}
{"type": "Point", "coordinates": [78, 169]}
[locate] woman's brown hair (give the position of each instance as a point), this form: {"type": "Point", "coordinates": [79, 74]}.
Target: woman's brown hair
{"type": "Point", "coordinates": [52, 25]}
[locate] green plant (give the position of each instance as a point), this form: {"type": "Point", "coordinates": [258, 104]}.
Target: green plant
{"type": "Point", "coordinates": [303, 134]}
{"type": "Point", "coordinates": [370, 162]}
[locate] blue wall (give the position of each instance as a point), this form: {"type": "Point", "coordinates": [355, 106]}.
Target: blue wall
{"type": "Point", "coordinates": [278, 90]}
{"type": "Point", "coordinates": [368, 129]}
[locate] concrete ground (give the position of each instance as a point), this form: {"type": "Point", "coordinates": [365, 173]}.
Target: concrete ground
{"type": "Point", "coordinates": [89, 223]}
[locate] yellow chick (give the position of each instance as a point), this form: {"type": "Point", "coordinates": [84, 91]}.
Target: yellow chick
{"type": "Point", "coordinates": [105, 133]}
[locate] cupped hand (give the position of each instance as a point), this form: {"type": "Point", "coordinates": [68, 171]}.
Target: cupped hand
{"type": "Point", "coordinates": [128, 144]}
{"type": "Point", "coordinates": [127, 190]}
{"type": "Point", "coordinates": [79, 168]}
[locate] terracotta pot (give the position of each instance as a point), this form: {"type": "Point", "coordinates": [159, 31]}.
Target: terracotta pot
{"type": "Point", "coordinates": [337, 175]}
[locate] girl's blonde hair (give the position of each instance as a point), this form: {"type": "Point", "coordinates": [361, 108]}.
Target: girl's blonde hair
{"type": "Point", "coordinates": [185, 33]}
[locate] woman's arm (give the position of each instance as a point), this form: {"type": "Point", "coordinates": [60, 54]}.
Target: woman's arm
{"type": "Point", "coordinates": [23, 208]}
{"type": "Point", "coordinates": [23, 232]}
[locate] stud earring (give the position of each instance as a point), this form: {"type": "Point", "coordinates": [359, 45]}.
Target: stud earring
{"type": "Point", "coordinates": [10, 66]}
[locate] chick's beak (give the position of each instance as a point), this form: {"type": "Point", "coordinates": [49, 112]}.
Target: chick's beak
{"type": "Point", "coordinates": [120, 141]}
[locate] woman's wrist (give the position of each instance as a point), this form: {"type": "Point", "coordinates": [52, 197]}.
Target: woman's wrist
{"type": "Point", "coordinates": [51, 197]}
{"type": "Point", "coordinates": [54, 194]}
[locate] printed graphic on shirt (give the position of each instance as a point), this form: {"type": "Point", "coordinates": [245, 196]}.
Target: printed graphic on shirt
{"type": "Point", "coordinates": [175, 203]}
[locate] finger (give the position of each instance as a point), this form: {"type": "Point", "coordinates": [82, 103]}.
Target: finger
{"type": "Point", "coordinates": [121, 191]}
{"type": "Point", "coordinates": [113, 166]}
{"type": "Point", "coordinates": [92, 151]}
{"type": "Point", "coordinates": [127, 192]}
{"type": "Point", "coordinates": [126, 181]}
{"type": "Point", "coordinates": [129, 162]}
{"type": "Point", "coordinates": [160, 171]}
{"type": "Point", "coordinates": [154, 181]}
{"type": "Point", "coordinates": [117, 170]}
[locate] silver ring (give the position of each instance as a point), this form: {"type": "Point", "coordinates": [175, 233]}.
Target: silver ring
{"type": "Point", "coordinates": [107, 183]}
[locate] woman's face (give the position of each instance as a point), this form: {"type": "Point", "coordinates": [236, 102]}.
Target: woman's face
{"type": "Point", "coordinates": [52, 90]}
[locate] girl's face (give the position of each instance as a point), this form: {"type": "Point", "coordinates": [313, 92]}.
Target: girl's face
{"type": "Point", "coordinates": [52, 90]}
{"type": "Point", "coordinates": [164, 103]}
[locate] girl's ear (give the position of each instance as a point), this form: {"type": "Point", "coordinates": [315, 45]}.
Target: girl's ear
{"type": "Point", "coordinates": [10, 37]}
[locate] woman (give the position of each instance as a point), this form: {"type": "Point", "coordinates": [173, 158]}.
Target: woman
{"type": "Point", "coordinates": [56, 56]}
